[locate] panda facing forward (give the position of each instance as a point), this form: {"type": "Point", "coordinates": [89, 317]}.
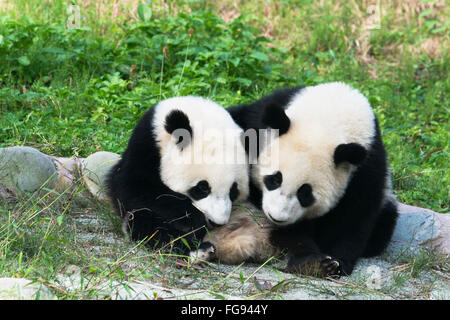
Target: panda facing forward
{"type": "Point", "coordinates": [324, 182]}
{"type": "Point", "coordinates": [173, 179]}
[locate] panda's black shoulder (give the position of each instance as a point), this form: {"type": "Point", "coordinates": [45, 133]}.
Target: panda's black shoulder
{"type": "Point", "coordinates": [141, 157]}
{"type": "Point", "coordinates": [143, 131]}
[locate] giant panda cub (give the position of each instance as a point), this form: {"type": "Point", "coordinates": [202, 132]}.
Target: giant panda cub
{"type": "Point", "coordinates": [174, 177]}
{"type": "Point", "coordinates": [323, 183]}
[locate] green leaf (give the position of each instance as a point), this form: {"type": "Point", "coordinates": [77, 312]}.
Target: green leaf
{"type": "Point", "coordinates": [54, 50]}
{"type": "Point", "coordinates": [430, 23]}
{"type": "Point", "coordinates": [235, 61]}
{"type": "Point", "coordinates": [258, 55]}
{"type": "Point", "coordinates": [426, 12]}
{"type": "Point", "coordinates": [244, 81]}
{"type": "Point", "coordinates": [23, 60]}
{"type": "Point", "coordinates": [241, 277]}
{"type": "Point", "coordinates": [221, 80]}
{"type": "Point", "coordinates": [281, 284]}
{"type": "Point", "coordinates": [185, 243]}
{"type": "Point", "coordinates": [144, 12]}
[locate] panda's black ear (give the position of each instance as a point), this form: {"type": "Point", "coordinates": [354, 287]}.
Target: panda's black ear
{"type": "Point", "coordinates": [353, 153]}
{"type": "Point", "coordinates": [177, 124]}
{"type": "Point", "coordinates": [275, 118]}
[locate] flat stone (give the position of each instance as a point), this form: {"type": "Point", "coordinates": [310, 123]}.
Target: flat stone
{"type": "Point", "coordinates": [23, 289]}
{"type": "Point", "coordinates": [25, 169]}
{"type": "Point", "coordinates": [94, 171]}
{"type": "Point", "coordinates": [420, 226]}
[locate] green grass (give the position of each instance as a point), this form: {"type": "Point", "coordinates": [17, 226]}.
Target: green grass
{"type": "Point", "coordinates": [71, 92]}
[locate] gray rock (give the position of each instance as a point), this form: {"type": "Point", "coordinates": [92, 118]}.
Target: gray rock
{"type": "Point", "coordinates": [23, 289]}
{"type": "Point", "coordinates": [25, 169]}
{"type": "Point", "coordinates": [419, 226]}
{"type": "Point", "coordinates": [94, 171]}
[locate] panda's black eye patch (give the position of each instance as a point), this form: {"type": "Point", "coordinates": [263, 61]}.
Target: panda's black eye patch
{"type": "Point", "coordinates": [305, 196]}
{"type": "Point", "coordinates": [273, 181]}
{"type": "Point", "coordinates": [200, 190]}
{"type": "Point", "coordinates": [234, 192]}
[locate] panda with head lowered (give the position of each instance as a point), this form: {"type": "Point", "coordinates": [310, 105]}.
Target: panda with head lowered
{"type": "Point", "coordinates": [323, 183]}
{"type": "Point", "coordinates": [173, 180]}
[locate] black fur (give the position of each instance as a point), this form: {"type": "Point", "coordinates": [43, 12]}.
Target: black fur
{"type": "Point", "coordinates": [273, 181]}
{"type": "Point", "coordinates": [177, 119]}
{"type": "Point", "coordinates": [200, 191]}
{"type": "Point", "coordinates": [177, 124]}
{"type": "Point", "coordinates": [305, 195]}
{"type": "Point", "coordinates": [349, 152]}
{"type": "Point", "coordinates": [274, 117]}
{"type": "Point", "coordinates": [154, 211]}
{"type": "Point", "coordinates": [362, 222]}
{"type": "Point", "coordinates": [234, 192]}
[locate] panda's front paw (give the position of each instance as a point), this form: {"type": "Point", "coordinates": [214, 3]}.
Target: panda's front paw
{"type": "Point", "coordinates": [331, 267]}
{"type": "Point", "coordinates": [314, 264]}
{"type": "Point", "coordinates": [205, 252]}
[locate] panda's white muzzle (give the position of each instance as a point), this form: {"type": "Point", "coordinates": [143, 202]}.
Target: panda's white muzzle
{"type": "Point", "coordinates": [216, 209]}
{"type": "Point", "coordinates": [281, 209]}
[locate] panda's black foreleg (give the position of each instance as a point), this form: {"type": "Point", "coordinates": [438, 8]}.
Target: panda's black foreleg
{"type": "Point", "coordinates": [164, 221]}
{"type": "Point", "coordinates": [346, 250]}
{"type": "Point", "coordinates": [314, 264]}
{"type": "Point", "coordinates": [304, 255]}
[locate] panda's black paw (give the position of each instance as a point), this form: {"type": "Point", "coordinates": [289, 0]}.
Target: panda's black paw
{"type": "Point", "coordinates": [315, 265]}
{"type": "Point", "coordinates": [205, 252]}
{"type": "Point", "coordinates": [331, 267]}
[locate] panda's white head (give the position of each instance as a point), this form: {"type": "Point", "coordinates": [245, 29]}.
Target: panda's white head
{"type": "Point", "coordinates": [202, 155]}
{"type": "Point", "coordinates": [324, 134]}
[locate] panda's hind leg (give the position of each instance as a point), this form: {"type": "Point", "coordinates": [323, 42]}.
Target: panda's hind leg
{"type": "Point", "coordinates": [228, 247]}
{"type": "Point", "coordinates": [236, 248]}
{"type": "Point", "coordinates": [243, 238]}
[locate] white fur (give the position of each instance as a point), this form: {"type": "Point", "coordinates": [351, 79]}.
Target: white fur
{"type": "Point", "coordinates": [280, 206]}
{"type": "Point", "coordinates": [215, 154]}
{"type": "Point", "coordinates": [322, 117]}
